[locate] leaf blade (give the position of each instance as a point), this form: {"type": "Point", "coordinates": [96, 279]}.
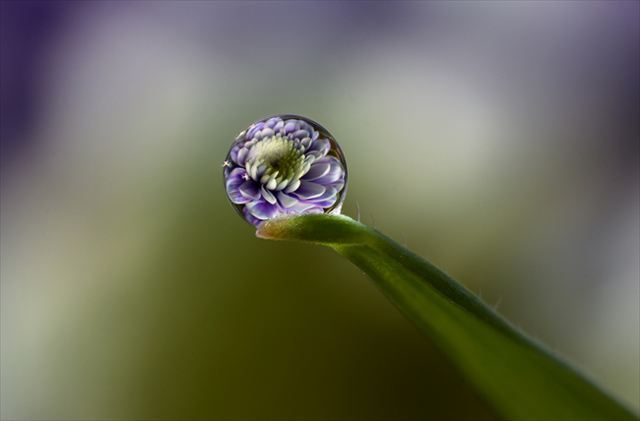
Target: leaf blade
{"type": "Point", "coordinates": [517, 375]}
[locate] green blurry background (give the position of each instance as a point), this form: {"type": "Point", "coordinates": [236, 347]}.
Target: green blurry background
{"type": "Point", "coordinates": [499, 140]}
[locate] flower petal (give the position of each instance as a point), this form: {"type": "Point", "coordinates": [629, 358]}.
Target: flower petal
{"type": "Point", "coordinates": [300, 134]}
{"type": "Point", "coordinates": [306, 142]}
{"type": "Point", "coordinates": [272, 122]}
{"type": "Point", "coordinates": [235, 178]}
{"type": "Point", "coordinates": [250, 190]}
{"type": "Point", "coordinates": [242, 156]}
{"type": "Point", "coordinates": [319, 147]}
{"type": "Point", "coordinates": [268, 196]}
{"type": "Point", "coordinates": [327, 199]}
{"type": "Point", "coordinates": [309, 190]}
{"type": "Point", "coordinates": [266, 132]}
{"type": "Point", "coordinates": [305, 126]}
{"type": "Point", "coordinates": [282, 184]}
{"type": "Point", "coordinates": [302, 208]}
{"type": "Point", "coordinates": [234, 153]}
{"type": "Point", "coordinates": [335, 174]}
{"type": "Point", "coordinates": [253, 130]}
{"type": "Point", "coordinates": [272, 183]}
{"type": "Point", "coordinates": [262, 210]}
{"type": "Point", "coordinates": [233, 184]}
{"type": "Point", "coordinates": [293, 186]}
{"type": "Point", "coordinates": [290, 126]}
{"type": "Point", "coordinates": [250, 218]}
{"type": "Point", "coordinates": [317, 170]}
{"type": "Point", "coordinates": [285, 200]}
{"type": "Point", "coordinates": [237, 198]}
{"type": "Point", "coordinates": [330, 193]}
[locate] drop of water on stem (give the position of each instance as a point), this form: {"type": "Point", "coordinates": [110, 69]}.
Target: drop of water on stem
{"type": "Point", "coordinates": [285, 165]}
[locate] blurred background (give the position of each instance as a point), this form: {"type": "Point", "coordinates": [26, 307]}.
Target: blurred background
{"type": "Point", "coordinates": [497, 139]}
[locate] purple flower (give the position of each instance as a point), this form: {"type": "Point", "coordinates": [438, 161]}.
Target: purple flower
{"type": "Point", "coordinates": [285, 165]}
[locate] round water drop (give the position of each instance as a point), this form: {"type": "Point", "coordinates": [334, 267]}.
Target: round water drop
{"type": "Point", "coordinates": [285, 165]}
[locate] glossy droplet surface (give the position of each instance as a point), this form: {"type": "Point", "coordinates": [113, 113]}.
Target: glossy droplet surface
{"type": "Point", "coordinates": [284, 165]}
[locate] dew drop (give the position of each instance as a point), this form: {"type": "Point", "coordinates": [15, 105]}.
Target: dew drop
{"type": "Point", "coordinates": [303, 167]}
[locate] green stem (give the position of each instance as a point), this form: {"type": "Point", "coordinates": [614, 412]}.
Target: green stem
{"type": "Point", "coordinates": [520, 377]}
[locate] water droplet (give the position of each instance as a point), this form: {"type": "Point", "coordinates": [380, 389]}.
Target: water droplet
{"type": "Point", "coordinates": [285, 165]}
